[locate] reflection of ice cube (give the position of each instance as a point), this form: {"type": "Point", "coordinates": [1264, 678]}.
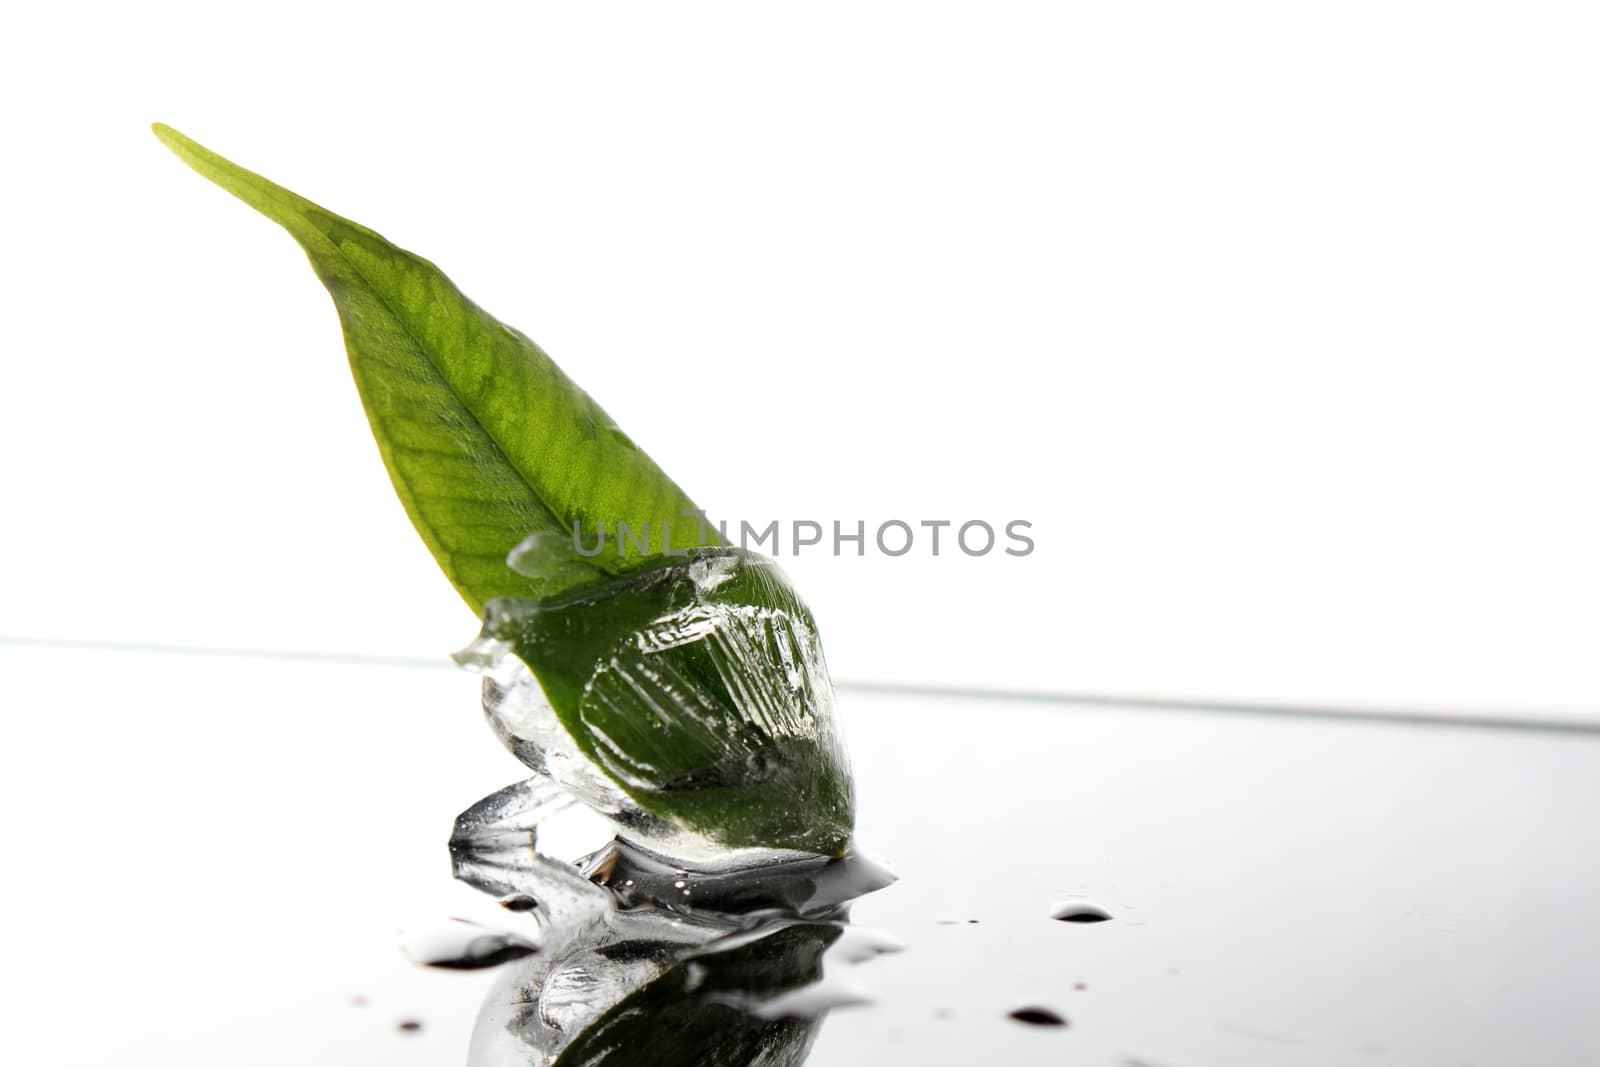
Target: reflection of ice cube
{"type": "Point", "coordinates": [494, 847]}
{"type": "Point", "coordinates": [581, 987]}
{"type": "Point", "coordinates": [692, 707]}
{"type": "Point", "coordinates": [657, 990]}
{"type": "Point", "coordinates": [640, 960]}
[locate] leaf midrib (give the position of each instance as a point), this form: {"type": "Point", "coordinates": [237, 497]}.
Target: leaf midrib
{"type": "Point", "coordinates": [428, 357]}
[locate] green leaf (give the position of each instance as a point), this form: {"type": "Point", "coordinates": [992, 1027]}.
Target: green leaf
{"type": "Point", "coordinates": [487, 442]}
{"type": "Point", "coordinates": [695, 683]}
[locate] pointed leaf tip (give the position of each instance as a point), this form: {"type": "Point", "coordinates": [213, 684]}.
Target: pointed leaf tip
{"type": "Point", "coordinates": [169, 136]}
{"type": "Point", "coordinates": [485, 439]}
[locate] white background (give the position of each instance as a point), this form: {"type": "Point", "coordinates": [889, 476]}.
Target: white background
{"type": "Point", "coordinates": [1276, 321]}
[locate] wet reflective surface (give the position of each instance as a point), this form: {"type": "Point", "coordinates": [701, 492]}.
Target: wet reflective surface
{"type": "Point", "coordinates": [259, 877]}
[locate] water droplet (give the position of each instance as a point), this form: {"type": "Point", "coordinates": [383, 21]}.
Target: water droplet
{"type": "Point", "coordinates": [1034, 1015]}
{"type": "Point", "coordinates": [465, 946]}
{"type": "Point", "coordinates": [1079, 911]}
{"type": "Point", "coordinates": [857, 944]}
{"type": "Point", "coordinates": [707, 574]}
{"type": "Point", "coordinates": [546, 554]}
{"type": "Point", "coordinates": [812, 1000]}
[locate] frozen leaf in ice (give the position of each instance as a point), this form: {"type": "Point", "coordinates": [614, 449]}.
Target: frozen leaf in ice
{"type": "Point", "coordinates": [689, 681]}
{"type": "Point", "coordinates": [688, 700]}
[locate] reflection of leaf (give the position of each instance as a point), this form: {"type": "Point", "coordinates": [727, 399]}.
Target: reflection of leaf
{"type": "Point", "coordinates": [690, 1016]}
{"type": "Point", "coordinates": [485, 439]}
